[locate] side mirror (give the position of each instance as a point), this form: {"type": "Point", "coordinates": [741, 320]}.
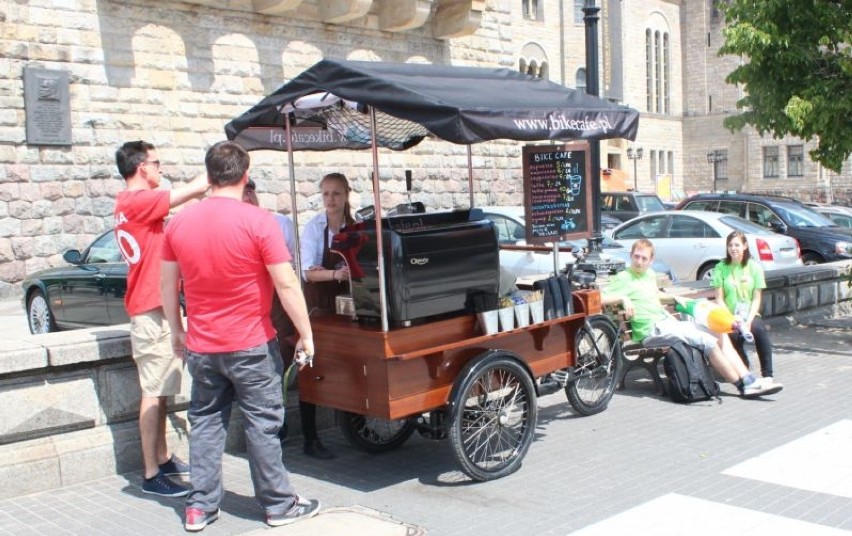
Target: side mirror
{"type": "Point", "coordinates": [72, 256]}
{"type": "Point", "coordinates": [778, 226]}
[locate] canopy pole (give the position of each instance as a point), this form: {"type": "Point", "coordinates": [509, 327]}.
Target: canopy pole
{"type": "Point", "coordinates": [377, 202]}
{"type": "Point", "coordinates": [470, 174]}
{"type": "Point", "coordinates": [297, 255]}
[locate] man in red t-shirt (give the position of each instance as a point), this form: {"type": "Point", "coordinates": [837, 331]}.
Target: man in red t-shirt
{"type": "Point", "coordinates": [231, 256]}
{"type": "Point", "coordinates": [140, 211]}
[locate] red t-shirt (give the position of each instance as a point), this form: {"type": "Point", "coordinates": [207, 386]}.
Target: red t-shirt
{"type": "Point", "coordinates": [223, 246]}
{"type": "Point", "coordinates": [139, 216]}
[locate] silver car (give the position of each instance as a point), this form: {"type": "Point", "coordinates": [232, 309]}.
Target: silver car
{"type": "Point", "coordinates": [692, 242]}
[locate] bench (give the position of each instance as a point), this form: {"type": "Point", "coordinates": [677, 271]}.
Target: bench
{"type": "Point", "coordinates": [633, 354]}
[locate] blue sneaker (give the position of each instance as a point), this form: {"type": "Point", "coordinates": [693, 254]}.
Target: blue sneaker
{"type": "Point", "coordinates": [161, 485]}
{"type": "Point", "coordinates": [175, 467]}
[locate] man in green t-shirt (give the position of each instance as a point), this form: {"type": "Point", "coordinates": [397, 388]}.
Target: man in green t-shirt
{"type": "Point", "coordinates": [636, 289]}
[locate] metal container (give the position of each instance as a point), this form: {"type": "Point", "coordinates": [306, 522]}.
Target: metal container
{"type": "Point", "coordinates": [344, 305]}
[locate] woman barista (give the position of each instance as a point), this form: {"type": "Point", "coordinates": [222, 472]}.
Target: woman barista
{"type": "Point", "coordinates": [324, 279]}
{"type": "Point", "coordinates": [324, 271]}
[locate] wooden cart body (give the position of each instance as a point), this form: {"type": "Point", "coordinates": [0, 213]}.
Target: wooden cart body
{"type": "Point", "coordinates": [409, 371]}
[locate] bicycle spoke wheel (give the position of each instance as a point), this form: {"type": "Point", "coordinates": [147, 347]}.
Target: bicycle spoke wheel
{"type": "Point", "coordinates": [494, 421]}
{"type": "Point", "coordinates": [596, 365]}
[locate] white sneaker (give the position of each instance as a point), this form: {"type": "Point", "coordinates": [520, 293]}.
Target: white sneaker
{"type": "Point", "coordinates": [761, 387]}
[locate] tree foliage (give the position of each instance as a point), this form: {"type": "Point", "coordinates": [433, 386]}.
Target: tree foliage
{"type": "Point", "coordinates": [796, 71]}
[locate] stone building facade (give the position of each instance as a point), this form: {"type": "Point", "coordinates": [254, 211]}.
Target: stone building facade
{"type": "Point", "coordinates": [174, 73]}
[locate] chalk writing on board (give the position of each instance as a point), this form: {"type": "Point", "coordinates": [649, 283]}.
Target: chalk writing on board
{"type": "Point", "coordinates": [556, 191]}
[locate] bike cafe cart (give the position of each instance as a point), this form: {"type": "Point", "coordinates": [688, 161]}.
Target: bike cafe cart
{"type": "Point", "coordinates": [407, 361]}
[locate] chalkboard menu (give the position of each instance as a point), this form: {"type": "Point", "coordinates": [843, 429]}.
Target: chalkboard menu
{"type": "Point", "coordinates": [557, 192]}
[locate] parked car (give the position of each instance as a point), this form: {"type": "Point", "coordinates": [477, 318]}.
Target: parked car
{"type": "Point", "coordinates": [627, 205]}
{"type": "Point", "coordinates": [820, 239]}
{"type": "Point", "coordinates": [88, 291]}
{"type": "Point", "coordinates": [841, 216]}
{"type": "Point", "coordinates": [693, 242]}
{"type": "Point", "coordinates": [511, 230]}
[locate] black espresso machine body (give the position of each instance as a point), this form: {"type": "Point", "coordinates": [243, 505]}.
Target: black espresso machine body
{"type": "Point", "coordinates": [434, 265]}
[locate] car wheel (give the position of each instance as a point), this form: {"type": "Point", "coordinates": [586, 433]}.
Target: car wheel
{"type": "Point", "coordinates": [809, 259]}
{"type": "Point", "coordinates": [705, 273]}
{"type": "Point", "coordinates": [39, 317]}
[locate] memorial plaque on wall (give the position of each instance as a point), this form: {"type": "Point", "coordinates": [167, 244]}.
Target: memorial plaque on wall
{"type": "Point", "coordinates": [47, 102]}
{"type": "Point", "coordinates": [557, 192]}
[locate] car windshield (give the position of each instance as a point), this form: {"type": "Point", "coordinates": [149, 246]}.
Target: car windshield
{"type": "Point", "coordinates": [649, 203]}
{"type": "Point", "coordinates": [798, 216]}
{"type": "Point", "coordinates": [744, 225]}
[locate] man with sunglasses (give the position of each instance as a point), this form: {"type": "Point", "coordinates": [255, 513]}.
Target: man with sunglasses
{"type": "Point", "coordinates": [140, 213]}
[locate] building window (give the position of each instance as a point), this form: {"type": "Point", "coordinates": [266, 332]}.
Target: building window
{"type": "Point", "coordinates": [658, 71]}
{"type": "Point", "coordinates": [579, 16]}
{"type": "Point", "coordinates": [653, 162]}
{"type": "Point", "coordinates": [666, 75]}
{"type": "Point", "coordinates": [795, 161]}
{"type": "Point", "coordinates": [649, 72]}
{"type": "Point", "coordinates": [770, 162]}
{"type": "Point", "coordinates": [532, 10]}
{"type": "Point", "coordinates": [720, 166]}
{"type": "Point", "coordinates": [580, 79]}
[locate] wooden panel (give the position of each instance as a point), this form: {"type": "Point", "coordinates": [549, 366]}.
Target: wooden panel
{"type": "Point", "coordinates": [408, 371]}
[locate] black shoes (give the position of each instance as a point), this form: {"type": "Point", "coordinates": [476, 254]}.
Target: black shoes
{"type": "Point", "coordinates": [315, 449]}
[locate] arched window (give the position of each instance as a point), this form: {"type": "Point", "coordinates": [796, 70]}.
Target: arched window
{"type": "Point", "coordinates": [657, 71]}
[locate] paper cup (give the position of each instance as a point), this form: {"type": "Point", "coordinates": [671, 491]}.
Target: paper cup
{"type": "Point", "coordinates": [507, 318]}
{"type": "Point", "coordinates": [488, 322]}
{"type": "Point", "coordinates": [537, 311]}
{"type": "Point", "coordinates": [522, 314]}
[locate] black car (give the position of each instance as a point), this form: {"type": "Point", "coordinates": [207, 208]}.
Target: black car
{"type": "Point", "coordinates": [625, 206]}
{"type": "Point", "coordinates": [820, 239]}
{"type": "Point", "coordinates": [88, 292]}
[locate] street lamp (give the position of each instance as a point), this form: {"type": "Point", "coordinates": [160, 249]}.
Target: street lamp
{"type": "Point", "coordinates": [635, 155]}
{"type": "Point", "coordinates": [591, 15]}
{"type": "Point", "coordinates": [713, 158]}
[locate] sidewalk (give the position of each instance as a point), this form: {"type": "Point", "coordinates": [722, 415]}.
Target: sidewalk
{"type": "Point", "coordinates": [766, 467]}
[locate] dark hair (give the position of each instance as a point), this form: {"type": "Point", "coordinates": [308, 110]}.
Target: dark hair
{"type": "Point", "coordinates": [226, 163]}
{"type": "Point", "coordinates": [746, 253]}
{"type": "Point", "coordinates": [130, 156]}
{"type": "Point", "coordinates": [347, 209]}
{"type": "Point", "coordinates": [250, 193]}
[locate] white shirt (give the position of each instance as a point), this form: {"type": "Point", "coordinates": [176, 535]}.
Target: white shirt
{"type": "Point", "coordinates": [289, 231]}
{"type": "Point", "coordinates": [312, 242]}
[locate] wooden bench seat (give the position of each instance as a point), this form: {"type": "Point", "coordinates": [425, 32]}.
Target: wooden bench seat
{"type": "Point", "coordinates": [633, 354]}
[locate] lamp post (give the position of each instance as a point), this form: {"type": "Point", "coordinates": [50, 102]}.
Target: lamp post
{"type": "Point", "coordinates": [635, 155]}
{"type": "Point", "coordinates": [590, 18]}
{"type": "Point", "coordinates": [713, 158]}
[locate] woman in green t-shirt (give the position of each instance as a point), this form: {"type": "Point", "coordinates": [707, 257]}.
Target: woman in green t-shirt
{"type": "Point", "coordinates": [739, 282]}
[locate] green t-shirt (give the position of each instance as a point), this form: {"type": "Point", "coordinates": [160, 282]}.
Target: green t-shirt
{"type": "Point", "coordinates": [642, 290]}
{"type": "Point", "coordinates": [738, 282]}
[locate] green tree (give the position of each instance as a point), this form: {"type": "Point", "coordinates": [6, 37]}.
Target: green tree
{"type": "Point", "coordinates": [796, 71]}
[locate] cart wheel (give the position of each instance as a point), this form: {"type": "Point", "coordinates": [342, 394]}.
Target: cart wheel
{"type": "Point", "coordinates": [596, 365]}
{"type": "Point", "coordinates": [493, 418]}
{"type": "Point", "coordinates": [375, 435]}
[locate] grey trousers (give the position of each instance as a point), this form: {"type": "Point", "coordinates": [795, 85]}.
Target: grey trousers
{"type": "Point", "coordinates": [252, 378]}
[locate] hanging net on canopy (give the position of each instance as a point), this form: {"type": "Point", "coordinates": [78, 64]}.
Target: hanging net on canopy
{"type": "Point", "coordinates": [353, 123]}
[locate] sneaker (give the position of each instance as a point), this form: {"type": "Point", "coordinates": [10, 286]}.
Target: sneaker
{"type": "Point", "coordinates": [303, 509]}
{"type": "Point", "coordinates": [761, 388]}
{"type": "Point", "coordinates": [175, 467]}
{"type": "Point", "coordinates": [197, 519]}
{"type": "Point", "coordinates": [161, 485]}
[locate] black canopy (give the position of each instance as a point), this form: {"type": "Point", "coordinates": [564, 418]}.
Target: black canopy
{"type": "Point", "coordinates": [458, 104]}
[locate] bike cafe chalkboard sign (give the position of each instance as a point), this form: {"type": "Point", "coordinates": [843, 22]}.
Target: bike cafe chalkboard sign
{"type": "Point", "coordinates": [557, 192]}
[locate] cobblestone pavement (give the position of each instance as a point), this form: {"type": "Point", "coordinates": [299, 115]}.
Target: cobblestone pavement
{"type": "Point", "coordinates": [645, 466]}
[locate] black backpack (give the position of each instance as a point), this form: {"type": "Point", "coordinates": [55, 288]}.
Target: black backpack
{"type": "Point", "coordinates": [690, 377]}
